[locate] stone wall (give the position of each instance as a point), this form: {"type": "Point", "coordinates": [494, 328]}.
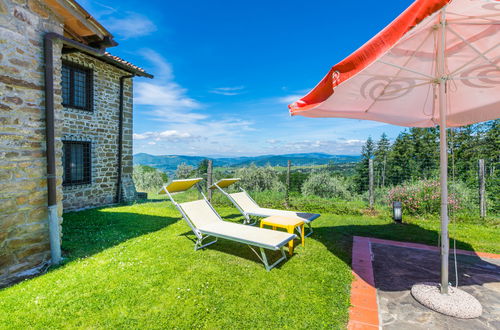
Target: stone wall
{"type": "Point", "coordinates": [100, 127]}
{"type": "Point", "coordinates": [24, 236]}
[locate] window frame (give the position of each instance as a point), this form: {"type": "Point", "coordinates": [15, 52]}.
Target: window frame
{"type": "Point", "coordinates": [86, 159]}
{"type": "Point", "coordinates": [89, 90]}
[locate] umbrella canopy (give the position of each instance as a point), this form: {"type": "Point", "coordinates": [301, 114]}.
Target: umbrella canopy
{"type": "Point", "coordinates": [438, 63]}
{"type": "Point", "coordinates": [393, 78]}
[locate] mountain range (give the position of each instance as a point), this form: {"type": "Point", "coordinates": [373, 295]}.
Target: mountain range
{"type": "Point", "coordinates": [169, 163]}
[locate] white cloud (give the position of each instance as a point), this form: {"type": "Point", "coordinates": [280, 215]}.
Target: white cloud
{"type": "Point", "coordinates": [168, 95]}
{"type": "Point", "coordinates": [179, 116]}
{"type": "Point", "coordinates": [162, 136]}
{"type": "Point", "coordinates": [163, 69]}
{"type": "Point", "coordinates": [130, 25]}
{"type": "Point", "coordinates": [174, 134]}
{"type": "Point", "coordinates": [142, 136]}
{"type": "Point", "coordinates": [289, 99]}
{"type": "Point", "coordinates": [164, 98]}
{"type": "Point", "coordinates": [336, 147]}
{"type": "Point", "coordinates": [229, 91]}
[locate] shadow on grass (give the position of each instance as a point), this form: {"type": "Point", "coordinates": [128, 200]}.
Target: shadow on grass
{"type": "Point", "coordinates": [92, 231]}
{"type": "Point", "coordinates": [241, 250]}
{"type": "Point", "coordinates": [89, 232]}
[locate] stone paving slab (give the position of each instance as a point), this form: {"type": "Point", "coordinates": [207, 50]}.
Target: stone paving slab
{"type": "Point", "coordinates": [397, 268]}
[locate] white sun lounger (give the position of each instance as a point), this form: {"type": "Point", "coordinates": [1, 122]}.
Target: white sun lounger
{"type": "Point", "coordinates": [248, 207]}
{"type": "Point", "coordinates": [205, 222]}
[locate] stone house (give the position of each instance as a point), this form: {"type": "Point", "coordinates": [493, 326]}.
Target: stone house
{"type": "Point", "coordinates": [65, 127]}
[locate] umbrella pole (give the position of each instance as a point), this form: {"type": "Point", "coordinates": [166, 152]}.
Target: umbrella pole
{"type": "Point", "coordinates": [442, 298]}
{"type": "Point", "coordinates": [443, 167]}
{"type": "Point", "coordinates": [443, 151]}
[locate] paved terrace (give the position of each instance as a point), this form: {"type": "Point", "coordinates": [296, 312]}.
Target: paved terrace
{"type": "Point", "coordinates": [386, 270]}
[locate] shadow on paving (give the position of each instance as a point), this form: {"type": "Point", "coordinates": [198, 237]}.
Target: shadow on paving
{"type": "Point", "coordinates": [338, 240]}
{"type": "Point", "coordinates": [396, 269]}
{"type": "Point", "coordinates": [89, 232]}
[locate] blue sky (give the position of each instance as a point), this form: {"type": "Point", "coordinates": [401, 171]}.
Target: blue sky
{"type": "Point", "coordinates": [226, 70]}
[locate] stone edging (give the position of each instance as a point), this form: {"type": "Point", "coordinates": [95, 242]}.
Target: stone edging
{"type": "Point", "coordinates": [363, 313]}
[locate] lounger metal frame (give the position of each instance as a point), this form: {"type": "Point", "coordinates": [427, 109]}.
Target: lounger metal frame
{"type": "Point", "coordinates": [202, 235]}
{"type": "Point", "coordinates": [247, 215]}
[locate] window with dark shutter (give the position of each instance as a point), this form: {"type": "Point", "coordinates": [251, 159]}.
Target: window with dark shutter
{"type": "Point", "coordinates": [76, 86]}
{"type": "Point", "coordinates": [76, 162]}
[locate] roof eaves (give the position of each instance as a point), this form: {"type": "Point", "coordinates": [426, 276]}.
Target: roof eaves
{"type": "Point", "coordinates": [125, 65]}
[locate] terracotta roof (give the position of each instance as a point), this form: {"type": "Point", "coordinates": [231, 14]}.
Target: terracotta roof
{"type": "Point", "coordinates": [126, 65]}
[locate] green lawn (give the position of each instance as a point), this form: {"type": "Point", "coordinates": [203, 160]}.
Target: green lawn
{"type": "Point", "coordinates": [134, 266]}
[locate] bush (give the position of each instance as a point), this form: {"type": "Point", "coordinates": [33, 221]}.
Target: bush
{"type": "Point", "coordinates": [184, 171]}
{"type": "Point", "coordinates": [297, 179]}
{"type": "Point", "coordinates": [423, 197]}
{"type": "Point", "coordinates": [255, 178]}
{"type": "Point", "coordinates": [147, 178]}
{"type": "Point", "coordinates": [324, 185]}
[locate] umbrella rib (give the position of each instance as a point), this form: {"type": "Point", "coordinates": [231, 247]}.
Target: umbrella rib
{"type": "Point", "coordinates": [463, 17]}
{"type": "Point", "coordinates": [429, 33]}
{"type": "Point", "coordinates": [405, 88]}
{"type": "Point", "coordinates": [385, 76]}
{"type": "Point", "coordinates": [486, 23]}
{"type": "Point", "coordinates": [469, 62]}
{"type": "Point", "coordinates": [403, 68]}
{"type": "Point", "coordinates": [476, 77]}
{"type": "Point", "coordinates": [406, 69]}
{"type": "Point", "coordinates": [474, 48]}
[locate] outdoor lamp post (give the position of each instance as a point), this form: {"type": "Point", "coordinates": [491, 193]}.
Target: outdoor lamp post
{"type": "Point", "coordinates": [397, 212]}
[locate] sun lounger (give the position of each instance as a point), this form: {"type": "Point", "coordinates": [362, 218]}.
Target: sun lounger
{"type": "Point", "coordinates": [205, 223]}
{"type": "Point", "coordinates": [248, 207]}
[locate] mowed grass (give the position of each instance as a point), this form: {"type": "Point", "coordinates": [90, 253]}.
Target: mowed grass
{"type": "Point", "coordinates": [135, 267]}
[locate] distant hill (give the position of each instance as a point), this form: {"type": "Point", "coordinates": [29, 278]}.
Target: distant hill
{"type": "Point", "coordinates": [169, 163]}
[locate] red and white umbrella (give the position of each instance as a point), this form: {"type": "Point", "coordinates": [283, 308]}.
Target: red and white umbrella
{"type": "Point", "coordinates": [438, 63]}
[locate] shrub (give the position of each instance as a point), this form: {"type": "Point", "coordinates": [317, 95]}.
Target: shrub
{"type": "Point", "coordinates": [324, 185]}
{"type": "Point", "coordinates": [147, 178]}
{"type": "Point", "coordinates": [423, 197]}
{"type": "Point", "coordinates": [297, 179]}
{"type": "Point", "coordinates": [184, 171]}
{"type": "Point", "coordinates": [255, 178]}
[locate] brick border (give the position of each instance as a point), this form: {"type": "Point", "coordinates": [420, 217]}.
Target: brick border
{"type": "Point", "coordinates": [363, 313]}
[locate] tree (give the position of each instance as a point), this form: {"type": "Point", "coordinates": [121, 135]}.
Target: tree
{"type": "Point", "coordinates": [148, 178]}
{"type": "Point", "coordinates": [259, 178]}
{"type": "Point", "coordinates": [324, 185]}
{"type": "Point", "coordinates": [184, 171]}
{"type": "Point", "coordinates": [380, 159]}
{"type": "Point", "coordinates": [401, 160]}
{"type": "Point", "coordinates": [202, 167]}
{"type": "Point", "coordinates": [361, 177]}
{"type": "Point", "coordinates": [426, 152]}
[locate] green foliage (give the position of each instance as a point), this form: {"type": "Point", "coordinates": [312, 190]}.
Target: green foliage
{"type": "Point", "coordinates": [297, 179]}
{"type": "Point", "coordinates": [147, 178]}
{"type": "Point", "coordinates": [423, 197]}
{"type": "Point", "coordinates": [202, 167]}
{"type": "Point", "coordinates": [380, 160]}
{"type": "Point", "coordinates": [414, 156]}
{"type": "Point", "coordinates": [322, 184]}
{"type": "Point", "coordinates": [184, 171]}
{"type": "Point", "coordinates": [255, 178]}
{"type": "Point", "coordinates": [361, 176]}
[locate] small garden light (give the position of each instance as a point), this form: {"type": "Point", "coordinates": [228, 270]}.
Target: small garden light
{"type": "Point", "coordinates": [397, 211]}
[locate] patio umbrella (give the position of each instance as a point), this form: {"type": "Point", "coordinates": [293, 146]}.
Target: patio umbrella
{"type": "Point", "coordinates": [438, 63]}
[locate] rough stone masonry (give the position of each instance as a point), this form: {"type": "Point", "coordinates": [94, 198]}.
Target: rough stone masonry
{"type": "Point", "coordinates": [24, 240]}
